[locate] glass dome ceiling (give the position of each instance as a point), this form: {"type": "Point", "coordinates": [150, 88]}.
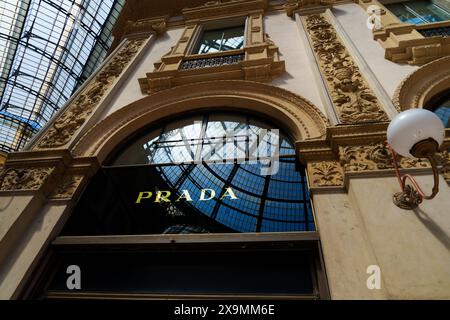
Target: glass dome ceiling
{"type": "Point", "coordinates": [47, 49]}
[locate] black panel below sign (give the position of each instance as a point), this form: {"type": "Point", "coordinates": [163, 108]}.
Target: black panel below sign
{"type": "Point", "coordinates": [190, 272]}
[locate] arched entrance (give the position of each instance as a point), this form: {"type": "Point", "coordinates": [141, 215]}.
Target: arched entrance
{"type": "Point", "coordinates": [295, 114]}
{"type": "Point", "coordinates": [167, 224]}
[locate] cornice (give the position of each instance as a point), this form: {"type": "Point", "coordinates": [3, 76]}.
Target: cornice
{"type": "Point", "coordinates": [221, 8]}
{"type": "Point", "coordinates": [308, 6]}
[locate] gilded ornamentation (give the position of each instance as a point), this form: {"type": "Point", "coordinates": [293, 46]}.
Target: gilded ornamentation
{"type": "Point", "coordinates": [24, 178]}
{"type": "Point", "coordinates": [352, 97]}
{"type": "Point", "coordinates": [326, 174]}
{"type": "Point", "coordinates": [84, 104]}
{"type": "Point", "coordinates": [67, 186]}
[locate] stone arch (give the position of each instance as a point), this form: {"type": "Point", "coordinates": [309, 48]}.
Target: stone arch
{"type": "Point", "coordinates": [424, 83]}
{"type": "Point", "coordinates": [299, 116]}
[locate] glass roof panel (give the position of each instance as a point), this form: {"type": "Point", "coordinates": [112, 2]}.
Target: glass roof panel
{"type": "Point", "coordinates": [47, 49]}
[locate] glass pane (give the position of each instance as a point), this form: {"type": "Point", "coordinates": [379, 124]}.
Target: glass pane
{"type": "Point", "coordinates": [46, 52]}
{"type": "Point", "coordinates": [218, 197]}
{"type": "Point", "coordinates": [216, 137]}
{"type": "Point", "coordinates": [418, 12]}
{"type": "Point", "coordinates": [443, 112]}
{"type": "Point", "coordinates": [429, 11]}
{"type": "Point", "coordinates": [404, 14]}
{"type": "Point", "coordinates": [239, 153]}
{"type": "Point", "coordinates": [221, 40]}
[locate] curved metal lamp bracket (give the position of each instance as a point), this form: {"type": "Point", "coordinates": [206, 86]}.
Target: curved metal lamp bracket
{"type": "Point", "coordinates": [412, 195]}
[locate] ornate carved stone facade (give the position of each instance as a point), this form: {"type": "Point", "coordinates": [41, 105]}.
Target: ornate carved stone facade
{"type": "Point", "coordinates": [306, 5]}
{"type": "Point", "coordinates": [76, 114]}
{"type": "Point", "coordinates": [421, 85]}
{"type": "Point", "coordinates": [259, 60]}
{"type": "Point", "coordinates": [444, 160]}
{"type": "Point", "coordinates": [350, 93]}
{"type": "Point", "coordinates": [310, 123]}
{"type": "Point", "coordinates": [325, 174]}
{"type": "Point", "coordinates": [375, 156]}
{"type": "Point", "coordinates": [67, 186]}
{"type": "Point", "coordinates": [13, 179]}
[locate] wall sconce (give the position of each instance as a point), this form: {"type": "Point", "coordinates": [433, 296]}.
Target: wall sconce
{"type": "Point", "coordinates": [415, 133]}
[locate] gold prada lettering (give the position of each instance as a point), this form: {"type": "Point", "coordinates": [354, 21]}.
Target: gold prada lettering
{"type": "Point", "coordinates": [184, 195]}
{"type": "Point", "coordinates": [143, 195]}
{"type": "Point", "coordinates": [229, 193]}
{"type": "Point", "coordinates": [162, 195]}
{"type": "Point", "coordinates": [167, 196]}
{"type": "Point", "coordinates": [212, 194]}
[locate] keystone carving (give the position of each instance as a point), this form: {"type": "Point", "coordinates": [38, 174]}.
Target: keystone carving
{"type": "Point", "coordinates": [84, 104]}
{"type": "Point", "coordinates": [352, 97]}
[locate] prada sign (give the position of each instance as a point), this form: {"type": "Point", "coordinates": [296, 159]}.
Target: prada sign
{"type": "Point", "coordinates": [167, 196]}
{"type": "Point", "coordinates": [208, 197]}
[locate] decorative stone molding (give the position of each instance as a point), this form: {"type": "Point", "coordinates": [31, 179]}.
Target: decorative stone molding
{"type": "Point", "coordinates": [325, 174]}
{"type": "Point", "coordinates": [357, 150]}
{"type": "Point", "coordinates": [3, 156]}
{"type": "Point", "coordinates": [75, 115]}
{"type": "Point", "coordinates": [217, 9]}
{"type": "Point", "coordinates": [374, 157]}
{"type": "Point", "coordinates": [294, 113]}
{"type": "Point", "coordinates": [153, 25]}
{"type": "Point", "coordinates": [24, 179]}
{"type": "Point", "coordinates": [408, 43]}
{"type": "Point", "coordinates": [350, 93]}
{"type": "Point", "coordinates": [138, 28]}
{"type": "Point", "coordinates": [307, 6]}
{"type": "Point", "coordinates": [67, 186]}
{"type": "Point", "coordinates": [445, 162]}
{"type": "Point", "coordinates": [421, 85]}
{"type": "Point", "coordinates": [259, 60]}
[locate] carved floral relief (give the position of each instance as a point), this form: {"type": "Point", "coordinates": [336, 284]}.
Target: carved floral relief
{"type": "Point", "coordinates": [24, 178]}
{"type": "Point", "coordinates": [352, 97]}
{"type": "Point", "coordinates": [374, 157]}
{"type": "Point", "coordinates": [325, 174]}
{"type": "Point", "coordinates": [67, 186]}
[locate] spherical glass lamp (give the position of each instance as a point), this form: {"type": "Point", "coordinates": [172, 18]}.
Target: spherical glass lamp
{"type": "Point", "coordinates": [416, 133]}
